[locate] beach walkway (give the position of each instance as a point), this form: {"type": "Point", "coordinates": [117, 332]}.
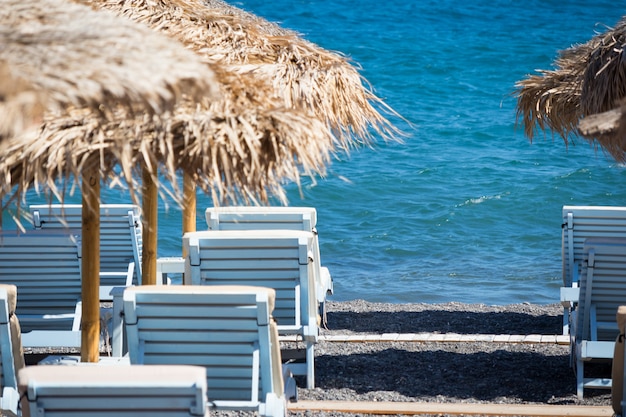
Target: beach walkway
{"type": "Point", "coordinates": [440, 337]}
{"type": "Point", "coordinates": [466, 409]}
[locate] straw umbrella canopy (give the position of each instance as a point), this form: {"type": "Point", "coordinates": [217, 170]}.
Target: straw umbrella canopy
{"type": "Point", "coordinates": [583, 96]}
{"type": "Point", "coordinates": [256, 144]}
{"type": "Point", "coordinates": [255, 147]}
{"type": "Point", "coordinates": [302, 75]}
{"type": "Point", "coordinates": [239, 148]}
{"type": "Point", "coordinates": [55, 54]}
{"type": "Point", "coordinates": [609, 129]}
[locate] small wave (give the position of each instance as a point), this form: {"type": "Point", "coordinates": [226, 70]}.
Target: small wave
{"type": "Point", "coordinates": [481, 199]}
{"type": "Point", "coordinates": [575, 172]}
{"type": "Point", "coordinates": [468, 85]}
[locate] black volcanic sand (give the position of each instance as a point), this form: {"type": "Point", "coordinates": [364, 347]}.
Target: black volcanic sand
{"type": "Point", "coordinates": [470, 372]}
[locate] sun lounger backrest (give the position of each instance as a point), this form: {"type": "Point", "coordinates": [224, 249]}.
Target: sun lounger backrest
{"type": "Point", "coordinates": [279, 259]}
{"type": "Point", "coordinates": [46, 270]}
{"type": "Point", "coordinates": [120, 231]}
{"type": "Point", "coordinates": [11, 354]}
{"type": "Point", "coordinates": [583, 222]}
{"type": "Point", "coordinates": [261, 218]}
{"type": "Point", "coordinates": [113, 390]}
{"type": "Point", "coordinates": [602, 288]}
{"type": "Point", "coordinates": [226, 329]}
{"type": "Point", "coordinates": [266, 218]}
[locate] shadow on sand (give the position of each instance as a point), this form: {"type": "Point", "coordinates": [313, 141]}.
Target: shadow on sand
{"type": "Point", "coordinates": [483, 376]}
{"type": "Point", "coordinates": [437, 321]}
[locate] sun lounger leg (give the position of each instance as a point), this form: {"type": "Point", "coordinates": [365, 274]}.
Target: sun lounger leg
{"type": "Point", "coordinates": [117, 330]}
{"type": "Point", "coordinates": [580, 379]}
{"type": "Point", "coordinates": [310, 365]}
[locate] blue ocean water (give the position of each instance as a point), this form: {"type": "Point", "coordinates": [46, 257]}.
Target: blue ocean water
{"type": "Point", "coordinates": [466, 209]}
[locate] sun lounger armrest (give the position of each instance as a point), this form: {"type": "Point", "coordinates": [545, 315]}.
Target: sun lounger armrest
{"type": "Point", "coordinates": [310, 333]}
{"type": "Point", "coordinates": [273, 406]}
{"type": "Point", "coordinates": [169, 265]}
{"type": "Point", "coordinates": [78, 316]}
{"type": "Point", "coordinates": [9, 401]}
{"type": "Point", "coordinates": [326, 284]}
{"type": "Point", "coordinates": [569, 296]}
{"type": "Point", "coordinates": [596, 350]}
{"type": "Point", "coordinates": [115, 277]}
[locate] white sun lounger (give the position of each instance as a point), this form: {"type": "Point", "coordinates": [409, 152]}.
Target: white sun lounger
{"type": "Point", "coordinates": [275, 217]}
{"type": "Point", "coordinates": [11, 355]}
{"type": "Point", "coordinates": [226, 329]}
{"type": "Point", "coordinates": [45, 267]}
{"type": "Point", "coordinates": [113, 390]}
{"type": "Point", "coordinates": [120, 238]}
{"type": "Point", "coordinates": [278, 259]}
{"type": "Point", "coordinates": [579, 224]}
{"type": "Point", "coordinates": [602, 291]}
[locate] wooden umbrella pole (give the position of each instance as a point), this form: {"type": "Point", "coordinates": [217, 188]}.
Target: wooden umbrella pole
{"type": "Point", "coordinates": [150, 206]}
{"type": "Point", "coordinates": [90, 322]}
{"type": "Point", "coordinates": [189, 205]}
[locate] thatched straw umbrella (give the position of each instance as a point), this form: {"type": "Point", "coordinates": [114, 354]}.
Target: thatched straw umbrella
{"type": "Point", "coordinates": [240, 148]}
{"type": "Point", "coordinates": [583, 96]}
{"type": "Point", "coordinates": [256, 143]}
{"type": "Point", "coordinates": [53, 54]}
{"type": "Point", "coordinates": [302, 75]}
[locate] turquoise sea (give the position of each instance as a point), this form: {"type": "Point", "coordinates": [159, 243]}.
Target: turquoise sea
{"type": "Point", "coordinates": [466, 209]}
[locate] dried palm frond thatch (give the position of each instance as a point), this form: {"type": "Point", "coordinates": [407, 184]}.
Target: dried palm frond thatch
{"type": "Point", "coordinates": [241, 147]}
{"type": "Point", "coordinates": [303, 74]}
{"type": "Point", "coordinates": [54, 53]}
{"type": "Point", "coordinates": [584, 95]}
{"type": "Point", "coordinates": [551, 100]}
{"type": "Point", "coordinates": [246, 145]}
{"type": "Point", "coordinates": [608, 129]}
{"type": "Point", "coordinates": [21, 104]}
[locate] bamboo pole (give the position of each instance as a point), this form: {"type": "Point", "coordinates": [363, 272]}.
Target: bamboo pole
{"type": "Point", "coordinates": [150, 228]}
{"type": "Point", "coordinates": [90, 288]}
{"type": "Point", "coordinates": [189, 206]}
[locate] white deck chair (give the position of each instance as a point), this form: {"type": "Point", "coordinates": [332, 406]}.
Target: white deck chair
{"type": "Point", "coordinates": [273, 217]}
{"type": "Point", "coordinates": [226, 329]}
{"type": "Point", "coordinates": [113, 390]}
{"type": "Point", "coordinates": [120, 238]}
{"type": "Point", "coordinates": [579, 224]}
{"type": "Point", "coordinates": [45, 267]}
{"type": "Point", "coordinates": [278, 259]}
{"type": "Point", "coordinates": [11, 354]}
{"type": "Point", "coordinates": [602, 291]}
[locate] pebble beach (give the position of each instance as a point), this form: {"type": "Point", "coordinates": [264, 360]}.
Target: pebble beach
{"type": "Point", "coordinates": [482, 371]}
{"type": "Point", "coordinates": [457, 372]}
